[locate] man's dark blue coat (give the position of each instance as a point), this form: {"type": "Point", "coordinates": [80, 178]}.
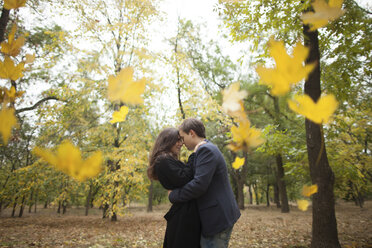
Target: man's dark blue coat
{"type": "Point", "coordinates": [211, 187]}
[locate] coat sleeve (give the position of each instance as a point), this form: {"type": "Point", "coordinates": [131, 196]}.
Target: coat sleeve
{"type": "Point", "coordinates": [205, 167]}
{"type": "Point", "coordinates": [172, 173]}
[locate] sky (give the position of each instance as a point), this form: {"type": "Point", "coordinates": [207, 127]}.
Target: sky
{"type": "Point", "coordinates": [198, 11]}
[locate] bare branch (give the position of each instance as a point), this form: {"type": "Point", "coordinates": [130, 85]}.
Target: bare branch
{"type": "Point", "coordinates": [37, 104]}
{"type": "Point", "coordinates": [363, 9]}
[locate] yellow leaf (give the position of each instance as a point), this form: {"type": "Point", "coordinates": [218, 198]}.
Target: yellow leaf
{"type": "Point", "coordinates": [319, 112]}
{"type": "Point", "coordinates": [309, 190]}
{"type": "Point", "coordinates": [303, 204]}
{"type": "Point", "coordinates": [239, 162]}
{"type": "Point", "coordinates": [12, 94]}
{"type": "Point", "coordinates": [232, 98]}
{"type": "Point", "coordinates": [123, 88]}
{"type": "Point", "coordinates": [14, 4]}
{"type": "Point", "coordinates": [12, 47]}
{"type": "Point", "coordinates": [119, 116]}
{"type": "Point", "coordinates": [7, 122]}
{"type": "Point", "coordinates": [68, 160]}
{"type": "Point", "coordinates": [30, 58]}
{"type": "Point", "coordinates": [245, 137]}
{"type": "Point", "coordinates": [289, 69]}
{"type": "Point", "coordinates": [323, 13]}
{"type": "Point", "coordinates": [9, 71]}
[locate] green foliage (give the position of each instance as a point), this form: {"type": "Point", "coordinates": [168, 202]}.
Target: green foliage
{"type": "Point", "coordinates": [349, 146]}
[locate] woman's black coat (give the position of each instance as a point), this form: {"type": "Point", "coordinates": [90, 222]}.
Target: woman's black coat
{"type": "Point", "coordinates": [183, 221]}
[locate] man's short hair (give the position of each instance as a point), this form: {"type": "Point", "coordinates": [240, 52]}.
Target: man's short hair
{"type": "Point", "coordinates": [193, 124]}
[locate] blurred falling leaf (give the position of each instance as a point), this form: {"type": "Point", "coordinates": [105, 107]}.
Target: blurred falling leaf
{"type": "Point", "coordinates": [245, 137]}
{"type": "Point", "coordinates": [30, 58]}
{"type": "Point", "coordinates": [289, 69]}
{"type": "Point", "coordinates": [303, 204]}
{"type": "Point", "coordinates": [68, 160]}
{"type": "Point", "coordinates": [232, 98]}
{"type": "Point", "coordinates": [119, 116]}
{"type": "Point", "coordinates": [7, 122]}
{"type": "Point", "coordinates": [239, 162]}
{"type": "Point", "coordinates": [123, 88]}
{"type": "Point", "coordinates": [12, 47]}
{"type": "Point", "coordinates": [323, 13]}
{"type": "Point", "coordinates": [12, 94]}
{"type": "Point", "coordinates": [9, 71]}
{"type": "Point", "coordinates": [14, 4]}
{"type": "Point", "coordinates": [319, 112]}
{"type": "Point", "coordinates": [309, 190]}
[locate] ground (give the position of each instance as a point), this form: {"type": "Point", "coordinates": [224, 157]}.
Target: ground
{"type": "Point", "coordinates": [259, 226]}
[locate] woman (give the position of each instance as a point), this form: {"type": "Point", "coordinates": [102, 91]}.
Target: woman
{"type": "Point", "coordinates": [183, 221]}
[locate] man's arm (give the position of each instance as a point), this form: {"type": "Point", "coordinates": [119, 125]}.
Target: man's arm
{"type": "Point", "coordinates": [205, 167]}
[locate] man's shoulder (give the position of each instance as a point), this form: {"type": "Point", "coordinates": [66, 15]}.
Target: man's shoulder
{"type": "Point", "coordinates": [209, 147]}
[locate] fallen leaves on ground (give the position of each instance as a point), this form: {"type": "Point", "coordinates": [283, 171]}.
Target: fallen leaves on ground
{"type": "Point", "coordinates": [258, 227]}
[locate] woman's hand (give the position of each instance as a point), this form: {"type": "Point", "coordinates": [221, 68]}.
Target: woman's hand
{"type": "Point", "coordinates": [199, 144]}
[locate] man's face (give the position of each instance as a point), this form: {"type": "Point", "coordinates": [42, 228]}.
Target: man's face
{"type": "Point", "coordinates": [187, 140]}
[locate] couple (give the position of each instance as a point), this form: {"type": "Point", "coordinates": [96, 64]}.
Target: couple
{"type": "Point", "coordinates": [204, 209]}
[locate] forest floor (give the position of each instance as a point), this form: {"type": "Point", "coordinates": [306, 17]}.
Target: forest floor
{"type": "Point", "coordinates": [259, 226]}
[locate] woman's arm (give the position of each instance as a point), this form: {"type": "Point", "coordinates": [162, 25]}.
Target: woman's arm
{"type": "Point", "coordinates": [173, 173]}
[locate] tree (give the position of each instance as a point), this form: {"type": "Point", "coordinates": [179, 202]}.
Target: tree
{"type": "Point", "coordinates": [117, 30]}
{"type": "Point", "coordinates": [242, 21]}
{"type": "Point", "coordinates": [324, 226]}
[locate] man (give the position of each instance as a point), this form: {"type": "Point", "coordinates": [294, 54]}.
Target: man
{"type": "Point", "coordinates": [211, 187]}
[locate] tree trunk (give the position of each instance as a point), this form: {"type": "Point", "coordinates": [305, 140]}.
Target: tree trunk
{"type": "Point", "coordinates": [3, 23]}
{"type": "Point", "coordinates": [36, 196]}
{"type": "Point", "coordinates": [150, 196]}
{"type": "Point", "coordinates": [240, 189]}
{"type": "Point", "coordinates": [1, 206]}
{"type": "Point", "coordinates": [46, 204]}
{"type": "Point", "coordinates": [22, 207]}
{"type": "Point", "coordinates": [14, 208]}
{"type": "Point", "coordinates": [268, 195]}
{"type": "Point", "coordinates": [255, 188]}
{"type": "Point", "coordinates": [250, 195]}
{"type": "Point", "coordinates": [324, 228]}
{"type": "Point", "coordinates": [239, 178]}
{"type": "Point", "coordinates": [31, 202]}
{"type": "Point", "coordinates": [279, 164]}
{"type": "Point", "coordinates": [59, 207]}
{"type": "Point", "coordinates": [114, 217]}
{"type": "Point", "coordinates": [87, 202]}
{"type": "Point", "coordinates": [276, 195]}
{"type": "Point", "coordinates": [281, 185]}
{"type": "Point", "coordinates": [104, 211]}
{"type": "Point", "coordinates": [356, 195]}
{"type": "Point", "coordinates": [64, 206]}
{"type": "Point", "coordinates": [114, 166]}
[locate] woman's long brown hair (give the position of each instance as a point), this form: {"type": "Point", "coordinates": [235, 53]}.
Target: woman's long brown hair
{"type": "Point", "coordinates": [162, 147]}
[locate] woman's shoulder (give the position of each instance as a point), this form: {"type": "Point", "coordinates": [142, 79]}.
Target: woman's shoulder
{"type": "Point", "coordinates": [166, 159]}
{"type": "Point", "coordinates": [163, 158]}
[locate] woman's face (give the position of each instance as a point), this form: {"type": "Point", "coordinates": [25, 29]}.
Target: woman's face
{"type": "Point", "coordinates": [176, 148]}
